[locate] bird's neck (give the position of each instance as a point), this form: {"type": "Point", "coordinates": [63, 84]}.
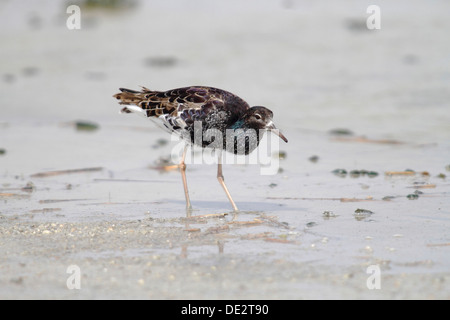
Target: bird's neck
{"type": "Point", "coordinates": [239, 124]}
{"type": "Point", "coordinates": [242, 139]}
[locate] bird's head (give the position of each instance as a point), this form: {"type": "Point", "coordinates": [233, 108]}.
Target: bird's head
{"type": "Point", "coordinates": [261, 118]}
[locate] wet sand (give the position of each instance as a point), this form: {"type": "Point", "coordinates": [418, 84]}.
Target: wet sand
{"type": "Point", "coordinates": [94, 196]}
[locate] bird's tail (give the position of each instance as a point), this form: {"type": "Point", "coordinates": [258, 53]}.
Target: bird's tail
{"type": "Point", "coordinates": [133, 98]}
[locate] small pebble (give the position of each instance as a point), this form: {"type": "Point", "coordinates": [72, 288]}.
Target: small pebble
{"type": "Point", "coordinates": [363, 211]}
{"type": "Point", "coordinates": [29, 187]}
{"type": "Point", "coordinates": [341, 132]}
{"type": "Point", "coordinates": [328, 214]}
{"type": "Point", "coordinates": [161, 61]}
{"type": "Point", "coordinates": [86, 126]}
{"type": "Point", "coordinates": [372, 174]}
{"type": "Point", "coordinates": [355, 173]}
{"type": "Point", "coordinates": [340, 172]}
{"type": "Point", "coordinates": [30, 71]}
{"type": "Point", "coordinates": [160, 143]}
{"type": "Point", "coordinates": [8, 77]}
{"type": "Point", "coordinates": [313, 159]}
{"type": "Point", "coordinates": [282, 155]}
{"type": "Point", "coordinates": [361, 214]}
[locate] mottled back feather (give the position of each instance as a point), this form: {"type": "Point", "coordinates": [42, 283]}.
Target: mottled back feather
{"type": "Point", "coordinates": [189, 103]}
{"type": "Point", "coordinates": [177, 110]}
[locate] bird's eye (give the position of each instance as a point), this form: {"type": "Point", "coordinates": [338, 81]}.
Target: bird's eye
{"type": "Point", "coordinates": [257, 116]}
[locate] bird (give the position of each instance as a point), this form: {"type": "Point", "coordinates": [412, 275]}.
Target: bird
{"type": "Point", "coordinates": [196, 112]}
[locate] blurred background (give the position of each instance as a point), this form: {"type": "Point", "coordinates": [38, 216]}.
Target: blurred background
{"type": "Point", "coordinates": [314, 63]}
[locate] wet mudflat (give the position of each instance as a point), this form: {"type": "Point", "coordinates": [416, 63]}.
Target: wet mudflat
{"type": "Point", "coordinates": [127, 230]}
{"type": "Point", "coordinates": [362, 183]}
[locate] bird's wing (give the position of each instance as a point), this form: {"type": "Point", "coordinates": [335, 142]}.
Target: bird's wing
{"type": "Point", "coordinates": [188, 102]}
{"type": "Point", "coordinates": [180, 108]}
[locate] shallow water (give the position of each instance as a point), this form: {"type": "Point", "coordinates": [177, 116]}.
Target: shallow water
{"type": "Point", "coordinates": [314, 66]}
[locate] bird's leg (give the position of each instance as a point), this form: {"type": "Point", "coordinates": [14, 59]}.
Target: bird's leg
{"type": "Point", "coordinates": [182, 166]}
{"type": "Point", "coordinates": [222, 181]}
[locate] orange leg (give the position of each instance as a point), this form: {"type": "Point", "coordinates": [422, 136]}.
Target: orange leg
{"type": "Point", "coordinates": [222, 181]}
{"type": "Point", "coordinates": [182, 166]}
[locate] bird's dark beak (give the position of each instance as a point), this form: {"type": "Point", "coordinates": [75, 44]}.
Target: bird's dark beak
{"type": "Point", "coordinates": [274, 129]}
